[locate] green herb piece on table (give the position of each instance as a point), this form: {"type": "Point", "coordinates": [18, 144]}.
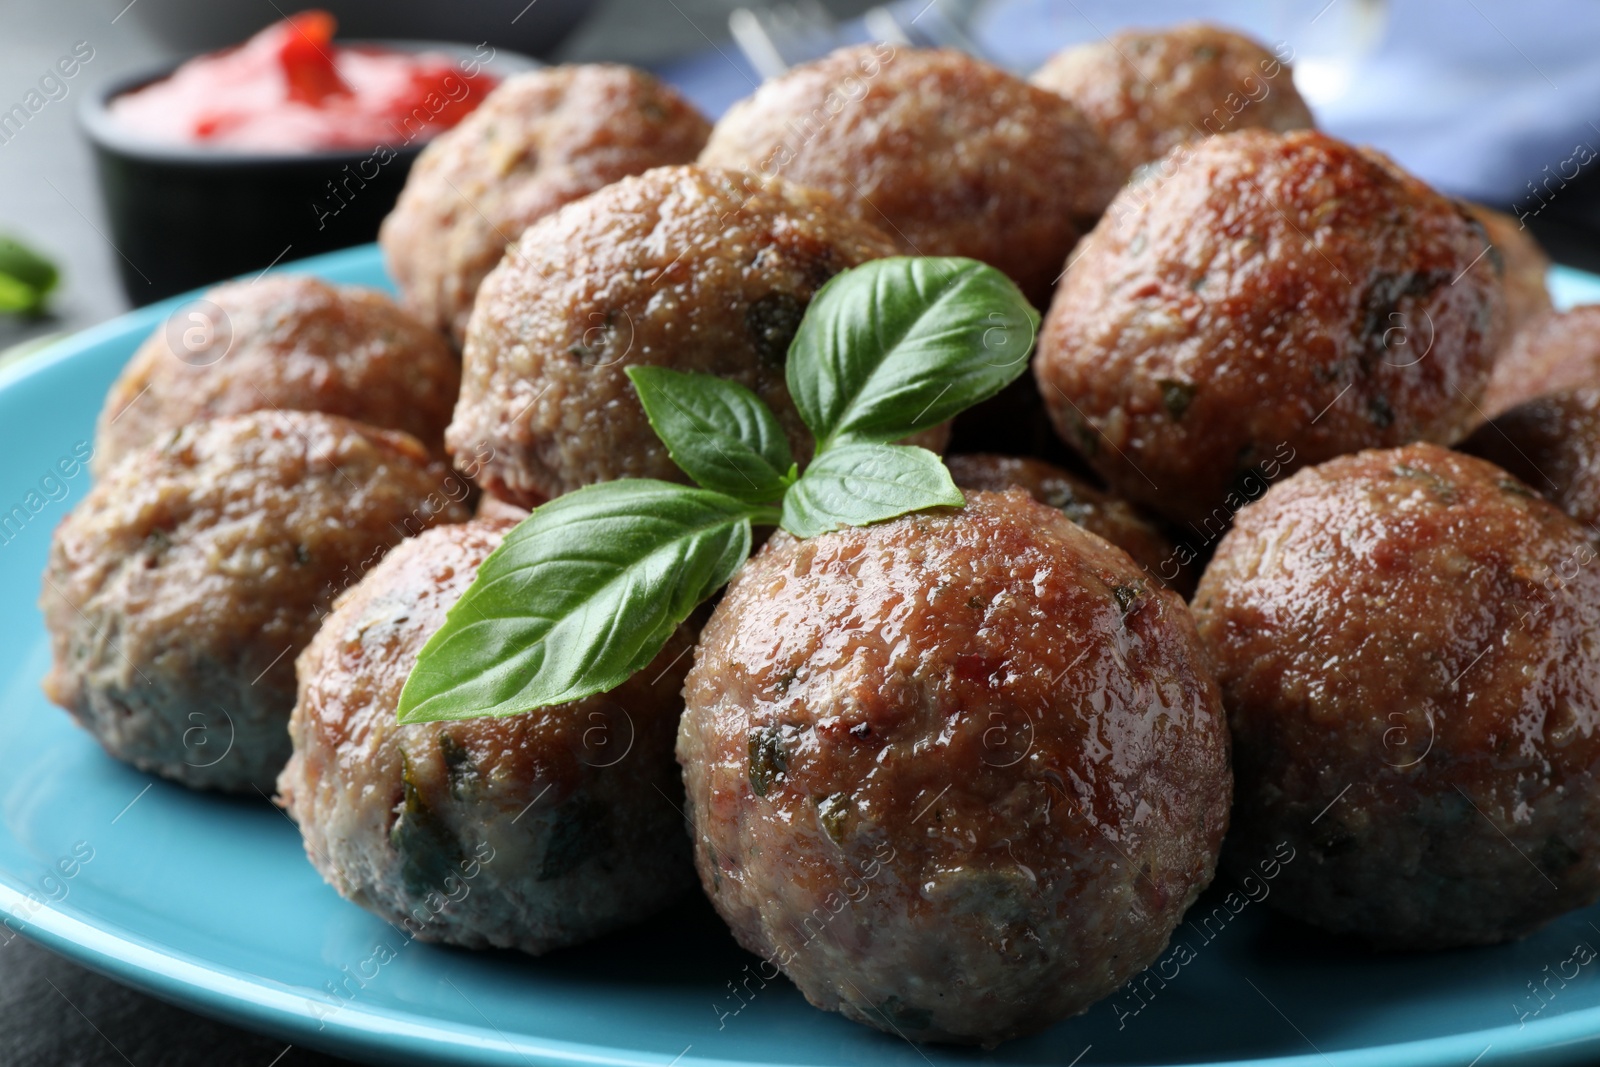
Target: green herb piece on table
{"type": "Point", "coordinates": [26, 278]}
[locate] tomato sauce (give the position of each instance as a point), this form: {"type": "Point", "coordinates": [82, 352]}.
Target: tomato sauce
{"type": "Point", "coordinates": [291, 89]}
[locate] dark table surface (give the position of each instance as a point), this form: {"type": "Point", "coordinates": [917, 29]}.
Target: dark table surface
{"type": "Point", "coordinates": [53, 1012]}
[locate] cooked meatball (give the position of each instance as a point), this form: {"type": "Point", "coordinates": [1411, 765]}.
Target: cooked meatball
{"type": "Point", "coordinates": [697, 269]}
{"type": "Point", "coordinates": [1554, 351]}
{"type": "Point", "coordinates": [958, 775]}
{"type": "Point", "coordinates": [179, 591]}
{"type": "Point", "coordinates": [531, 831]}
{"type": "Point", "coordinates": [1553, 444]}
{"type": "Point", "coordinates": [492, 507]}
{"type": "Point", "coordinates": [1148, 91]}
{"type": "Point", "coordinates": [287, 342]}
{"type": "Point", "coordinates": [950, 155]}
{"type": "Point", "coordinates": [1278, 300]}
{"type": "Point", "coordinates": [1405, 640]}
{"type": "Point", "coordinates": [1521, 260]}
{"type": "Point", "coordinates": [1096, 511]}
{"type": "Point", "coordinates": [540, 140]}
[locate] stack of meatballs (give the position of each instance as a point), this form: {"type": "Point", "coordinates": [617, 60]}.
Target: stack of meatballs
{"type": "Point", "coordinates": [1288, 538]}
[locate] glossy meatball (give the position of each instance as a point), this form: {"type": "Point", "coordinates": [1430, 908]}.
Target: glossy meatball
{"type": "Point", "coordinates": [958, 774]}
{"type": "Point", "coordinates": [1148, 91]}
{"type": "Point", "coordinates": [1521, 260]}
{"type": "Point", "coordinates": [692, 268]}
{"type": "Point", "coordinates": [492, 507]}
{"type": "Point", "coordinates": [950, 155]}
{"type": "Point", "coordinates": [1553, 444]}
{"type": "Point", "coordinates": [1556, 350]}
{"type": "Point", "coordinates": [287, 342]}
{"type": "Point", "coordinates": [531, 831]}
{"type": "Point", "coordinates": [1278, 300]}
{"type": "Point", "coordinates": [1095, 510]}
{"type": "Point", "coordinates": [179, 591]}
{"type": "Point", "coordinates": [540, 140]}
{"type": "Point", "coordinates": [1406, 641]}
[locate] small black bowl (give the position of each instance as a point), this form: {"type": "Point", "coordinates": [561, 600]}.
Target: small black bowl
{"type": "Point", "coordinates": [184, 216]}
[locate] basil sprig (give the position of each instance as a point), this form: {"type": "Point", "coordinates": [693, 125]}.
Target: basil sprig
{"type": "Point", "coordinates": [587, 589]}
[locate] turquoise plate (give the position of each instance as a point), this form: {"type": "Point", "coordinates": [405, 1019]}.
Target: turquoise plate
{"type": "Point", "coordinates": [211, 904]}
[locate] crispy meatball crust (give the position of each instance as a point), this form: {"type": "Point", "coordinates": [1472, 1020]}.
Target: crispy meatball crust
{"type": "Point", "coordinates": [952, 156]}
{"type": "Point", "coordinates": [289, 342]}
{"type": "Point", "coordinates": [1406, 644]}
{"type": "Point", "coordinates": [1554, 351]}
{"type": "Point", "coordinates": [693, 268]}
{"type": "Point", "coordinates": [540, 140]}
{"type": "Point", "coordinates": [1079, 500]}
{"type": "Point", "coordinates": [1553, 444]}
{"type": "Point", "coordinates": [1147, 91]}
{"type": "Point", "coordinates": [958, 774]}
{"type": "Point", "coordinates": [532, 831]}
{"type": "Point", "coordinates": [1523, 263]}
{"type": "Point", "coordinates": [1275, 299]}
{"type": "Point", "coordinates": [180, 589]}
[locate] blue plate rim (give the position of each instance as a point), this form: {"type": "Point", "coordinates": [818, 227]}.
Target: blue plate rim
{"type": "Point", "coordinates": [238, 996]}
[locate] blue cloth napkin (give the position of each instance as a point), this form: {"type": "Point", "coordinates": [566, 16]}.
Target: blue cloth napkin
{"type": "Point", "coordinates": [1488, 99]}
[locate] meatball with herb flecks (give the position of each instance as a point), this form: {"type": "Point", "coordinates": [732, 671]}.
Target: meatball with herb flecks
{"type": "Point", "coordinates": [959, 774]}
{"type": "Point", "coordinates": [1274, 301]}
{"type": "Point", "coordinates": [531, 831]}
{"type": "Point", "coordinates": [1095, 510]}
{"type": "Point", "coordinates": [179, 591]}
{"type": "Point", "coordinates": [692, 268]}
{"type": "Point", "coordinates": [1553, 444]}
{"type": "Point", "coordinates": [1148, 91]}
{"type": "Point", "coordinates": [1406, 641]}
{"type": "Point", "coordinates": [1515, 254]}
{"type": "Point", "coordinates": [1554, 351]}
{"type": "Point", "coordinates": [951, 156]}
{"type": "Point", "coordinates": [282, 342]}
{"type": "Point", "coordinates": [540, 140]}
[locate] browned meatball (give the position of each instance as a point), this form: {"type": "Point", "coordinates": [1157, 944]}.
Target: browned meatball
{"type": "Point", "coordinates": [531, 831]}
{"type": "Point", "coordinates": [540, 140]}
{"type": "Point", "coordinates": [181, 588]}
{"type": "Point", "coordinates": [952, 156]}
{"type": "Point", "coordinates": [1521, 260]}
{"type": "Point", "coordinates": [1556, 350]}
{"type": "Point", "coordinates": [957, 775]}
{"type": "Point", "coordinates": [1096, 511]}
{"type": "Point", "coordinates": [1278, 300]}
{"type": "Point", "coordinates": [1553, 444]}
{"type": "Point", "coordinates": [492, 507]}
{"type": "Point", "coordinates": [1148, 91]}
{"type": "Point", "coordinates": [1406, 644]}
{"type": "Point", "coordinates": [287, 342]}
{"type": "Point", "coordinates": [698, 269]}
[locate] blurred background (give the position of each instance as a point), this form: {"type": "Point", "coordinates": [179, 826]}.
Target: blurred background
{"type": "Point", "coordinates": [1487, 99]}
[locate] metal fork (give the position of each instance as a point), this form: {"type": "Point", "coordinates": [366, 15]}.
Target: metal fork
{"type": "Point", "coordinates": [779, 36]}
{"type": "Point", "coordinates": [937, 25]}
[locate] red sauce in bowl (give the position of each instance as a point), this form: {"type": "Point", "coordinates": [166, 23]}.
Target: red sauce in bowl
{"type": "Point", "coordinates": [290, 89]}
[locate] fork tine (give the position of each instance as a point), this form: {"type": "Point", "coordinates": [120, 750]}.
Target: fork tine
{"type": "Point", "coordinates": [883, 26]}
{"type": "Point", "coordinates": [931, 27]}
{"type": "Point", "coordinates": [756, 43]}
{"type": "Point", "coordinates": [776, 37]}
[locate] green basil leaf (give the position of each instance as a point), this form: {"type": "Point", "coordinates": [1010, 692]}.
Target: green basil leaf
{"type": "Point", "coordinates": [720, 433]}
{"type": "Point", "coordinates": [27, 266]}
{"type": "Point", "coordinates": [898, 345]}
{"type": "Point", "coordinates": [583, 593]}
{"type": "Point", "coordinates": [859, 484]}
{"type": "Point", "coordinates": [17, 296]}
